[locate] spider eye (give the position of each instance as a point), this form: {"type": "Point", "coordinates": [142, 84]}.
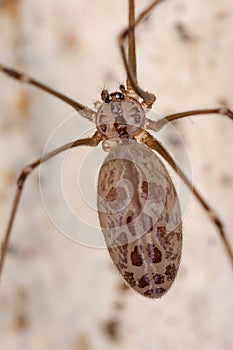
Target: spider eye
{"type": "Point", "coordinates": [108, 99]}
{"type": "Point", "coordinates": [119, 96]}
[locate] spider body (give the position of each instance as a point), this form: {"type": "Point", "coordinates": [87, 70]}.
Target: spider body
{"type": "Point", "coordinates": [138, 206]}
{"type": "Point", "coordinates": [140, 217]}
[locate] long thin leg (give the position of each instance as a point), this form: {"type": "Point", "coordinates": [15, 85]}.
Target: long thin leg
{"type": "Point", "coordinates": [84, 111]}
{"type": "Point", "coordinates": [93, 142]}
{"type": "Point", "coordinates": [157, 125]}
{"type": "Point", "coordinates": [155, 145]}
{"type": "Point", "coordinates": [148, 98]}
{"type": "Point", "coordinates": [131, 45]}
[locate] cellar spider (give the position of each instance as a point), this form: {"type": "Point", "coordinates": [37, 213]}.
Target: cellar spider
{"type": "Point", "coordinates": [146, 249]}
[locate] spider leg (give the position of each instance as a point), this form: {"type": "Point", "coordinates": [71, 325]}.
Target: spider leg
{"type": "Point", "coordinates": [157, 146]}
{"type": "Point", "coordinates": [92, 141]}
{"type": "Point", "coordinates": [83, 110]}
{"type": "Point", "coordinates": [130, 65]}
{"type": "Point", "coordinates": [158, 125]}
{"type": "Point", "coordinates": [132, 62]}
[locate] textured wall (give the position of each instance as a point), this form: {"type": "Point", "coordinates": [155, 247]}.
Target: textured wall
{"type": "Point", "coordinates": [56, 294]}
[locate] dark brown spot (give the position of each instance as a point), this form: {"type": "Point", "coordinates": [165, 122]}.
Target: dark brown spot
{"type": "Point", "coordinates": [129, 219]}
{"type": "Point", "coordinates": [154, 254]}
{"type": "Point", "coordinates": [149, 293]}
{"type": "Point", "coordinates": [159, 279]}
{"type": "Point", "coordinates": [112, 329]}
{"type": "Point", "coordinates": [170, 272]}
{"type": "Point", "coordinates": [130, 222]}
{"type": "Point", "coordinates": [129, 277]}
{"type": "Point", "coordinates": [144, 189]}
{"type": "Point", "coordinates": [136, 256]}
{"type": "Point", "coordinates": [143, 281]}
{"type": "Point", "coordinates": [122, 131]}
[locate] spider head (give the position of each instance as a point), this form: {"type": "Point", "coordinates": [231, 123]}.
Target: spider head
{"type": "Point", "coordinates": [119, 116]}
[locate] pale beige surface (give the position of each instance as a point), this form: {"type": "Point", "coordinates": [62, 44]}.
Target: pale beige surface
{"type": "Point", "coordinates": [56, 294]}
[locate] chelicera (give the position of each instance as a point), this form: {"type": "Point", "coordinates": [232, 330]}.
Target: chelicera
{"type": "Point", "coordinates": [138, 207]}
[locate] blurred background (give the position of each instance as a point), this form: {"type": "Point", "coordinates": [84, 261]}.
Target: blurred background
{"type": "Point", "coordinates": [55, 293]}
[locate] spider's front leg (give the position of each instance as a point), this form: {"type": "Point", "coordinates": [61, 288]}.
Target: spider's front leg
{"type": "Point", "coordinates": [130, 64]}
{"type": "Point", "coordinates": [158, 125]}
{"type": "Point", "coordinates": [24, 78]}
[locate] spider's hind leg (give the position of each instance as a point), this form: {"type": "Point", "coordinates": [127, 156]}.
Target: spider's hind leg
{"type": "Point", "coordinates": [26, 171]}
{"type": "Point", "coordinates": [214, 218]}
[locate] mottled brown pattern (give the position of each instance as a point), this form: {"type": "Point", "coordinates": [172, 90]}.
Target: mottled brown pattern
{"type": "Point", "coordinates": [149, 293]}
{"type": "Point", "coordinates": [112, 194]}
{"type": "Point", "coordinates": [127, 116]}
{"type": "Point", "coordinates": [136, 256]}
{"type": "Point", "coordinates": [123, 250]}
{"type": "Point", "coordinates": [143, 281]}
{"type": "Point", "coordinates": [158, 279]}
{"type": "Point", "coordinates": [119, 256]}
{"type": "Point", "coordinates": [168, 242]}
{"type": "Point", "coordinates": [142, 226]}
{"type": "Point", "coordinates": [158, 292]}
{"type": "Point", "coordinates": [144, 189]}
{"type": "Point", "coordinates": [154, 253]}
{"type": "Point", "coordinates": [171, 272]}
{"type": "Point", "coordinates": [129, 277]}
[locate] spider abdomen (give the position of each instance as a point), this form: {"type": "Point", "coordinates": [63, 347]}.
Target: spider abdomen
{"type": "Point", "coordinates": [140, 218]}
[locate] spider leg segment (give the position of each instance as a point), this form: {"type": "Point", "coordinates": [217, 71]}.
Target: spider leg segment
{"type": "Point", "coordinates": [130, 64]}
{"type": "Point", "coordinates": [151, 142]}
{"type": "Point", "coordinates": [92, 142]}
{"type": "Point", "coordinates": [83, 110]}
{"type": "Point", "coordinates": [158, 125]}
